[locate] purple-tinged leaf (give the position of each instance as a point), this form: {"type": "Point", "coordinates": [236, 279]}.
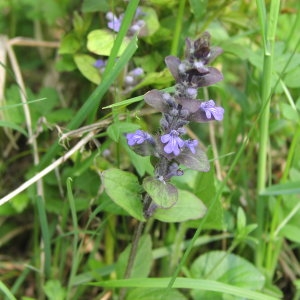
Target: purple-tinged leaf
{"type": "Point", "coordinates": [163, 194]}
{"type": "Point", "coordinates": [172, 63]}
{"type": "Point", "coordinates": [214, 52]}
{"type": "Point", "coordinates": [189, 104]}
{"type": "Point", "coordinates": [197, 161]}
{"type": "Point", "coordinates": [212, 77]}
{"type": "Point", "coordinates": [156, 99]}
{"type": "Point", "coordinates": [145, 149]}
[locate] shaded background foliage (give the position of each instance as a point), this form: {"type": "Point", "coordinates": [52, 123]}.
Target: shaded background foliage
{"type": "Point", "coordinates": [86, 233]}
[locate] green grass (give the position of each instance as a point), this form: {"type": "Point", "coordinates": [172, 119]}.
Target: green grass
{"type": "Point", "coordinates": [63, 234]}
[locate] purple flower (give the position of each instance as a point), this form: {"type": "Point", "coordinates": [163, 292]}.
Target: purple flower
{"type": "Point", "coordinates": [138, 137]}
{"type": "Point", "coordinates": [114, 22]}
{"type": "Point", "coordinates": [191, 144]}
{"type": "Point", "coordinates": [99, 63]}
{"type": "Point", "coordinates": [192, 92]}
{"type": "Point", "coordinates": [137, 72]}
{"type": "Point", "coordinates": [173, 141]}
{"type": "Point", "coordinates": [210, 109]}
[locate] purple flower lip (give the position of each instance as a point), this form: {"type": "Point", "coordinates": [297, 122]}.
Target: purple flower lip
{"type": "Point", "coordinates": [138, 137]}
{"type": "Point", "coordinates": [211, 111]}
{"type": "Point", "coordinates": [99, 63]}
{"type": "Point", "coordinates": [173, 142]}
{"type": "Point", "coordinates": [114, 22]}
{"type": "Point", "coordinates": [191, 144]}
{"type": "Point", "coordinates": [137, 72]}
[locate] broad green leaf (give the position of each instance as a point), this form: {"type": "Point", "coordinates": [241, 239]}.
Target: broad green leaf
{"type": "Point", "coordinates": [124, 189]}
{"type": "Point", "coordinates": [151, 20]}
{"type": "Point", "coordinates": [16, 205]}
{"type": "Point", "coordinates": [188, 207]}
{"type": "Point", "coordinates": [289, 113]}
{"type": "Point", "coordinates": [101, 41]}
{"type": "Point", "coordinates": [143, 260]}
{"type": "Point", "coordinates": [198, 8]}
{"type": "Point", "coordinates": [65, 63]}
{"type": "Point", "coordinates": [292, 78]}
{"type": "Point", "coordinates": [54, 290]}
{"type": "Point", "coordinates": [291, 232]}
{"type": "Point", "coordinates": [282, 189]}
{"type": "Point", "coordinates": [152, 294]}
{"type": "Point", "coordinates": [155, 79]}
{"type": "Point", "coordinates": [85, 64]}
{"type": "Point", "coordinates": [205, 189]}
{"type": "Point", "coordinates": [95, 5]}
{"type": "Point", "coordinates": [20, 202]}
{"type": "Point", "coordinates": [226, 268]}
{"type": "Point", "coordinates": [142, 164]}
{"type": "Point", "coordinates": [70, 44]}
{"type": "Point", "coordinates": [163, 194]}
{"type": "Point", "coordinates": [187, 283]}
{"type": "Point", "coordinates": [115, 130]}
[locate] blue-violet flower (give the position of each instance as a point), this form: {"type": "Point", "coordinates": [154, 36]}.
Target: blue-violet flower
{"type": "Point", "coordinates": [210, 109]}
{"type": "Point", "coordinates": [191, 144]}
{"type": "Point", "coordinates": [137, 137]}
{"type": "Point", "coordinates": [114, 22]}
{"type": "Point", "coordinates": [174, 142]}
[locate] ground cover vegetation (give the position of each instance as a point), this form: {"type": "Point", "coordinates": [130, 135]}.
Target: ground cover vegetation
{"type": "Point", "coordinates": [149, 149]}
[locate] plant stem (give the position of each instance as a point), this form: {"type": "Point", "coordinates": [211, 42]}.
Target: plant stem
{"type": "Point", "coordinates": [178, 27]}
{"type": "Point", "coordinates": [268, 33]}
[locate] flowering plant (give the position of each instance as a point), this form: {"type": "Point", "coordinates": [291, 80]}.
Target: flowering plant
{"type": "Point", "coordinates": [169, 147]}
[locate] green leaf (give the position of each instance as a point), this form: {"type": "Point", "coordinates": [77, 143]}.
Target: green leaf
{"type": "Point", "coordinates": [188, 207]}
{"type": "Point", "coordinates": [13, 126]}
{"type": "Point", "coordinates": [115, 130]}
{"type": "Point", "coordinates": [226, 268]}
{"type": "Point", "coordinates": [282, 189]}
{"type": "Point", "coordinates": [151, 21]}
{"type": "Point", "coordinates": [6, 291]}
{"type": "Point", "coordinates": [85, 64]}
{"type": "Point", "coordinates": [54, 290]}
{"type": "Point", "coordinates": [70, 44]}
{"type": "Point", "coordinates": [143, 260]}
{"type": "Point", "coordinates": [289, 113]}
{"type": "Point", "coordinates": [20, 202]}
{"type": "Point", "coordinates": [292, 78]}
{"type": "Point", "coordinates": [187, 283]}
{"type": "Point", "coordinates": [163, 194]}
{"type": "Point", "coordinates": [142, 164]}
{"type": "Point", "coordinates": [241, 219]}
{"type": "Point", "coordinates": [95, 5]}
{"type": "Point", "coordinates": [101, 41]}
{"type": "Point", "coordinates": [205, 189]}
{"type": "Point", "coordinates": [65, 63]}
{"type": "Point", "coordinates": [152, 294]}
{"type": "Point", "coordinates": [197, 161]}
{"type": "Point", "coordinates": [124, 189]}
{"type": "Point", "coordinates": [198, 8]}
{"type": "Point", "coordinates": [291, 232]}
